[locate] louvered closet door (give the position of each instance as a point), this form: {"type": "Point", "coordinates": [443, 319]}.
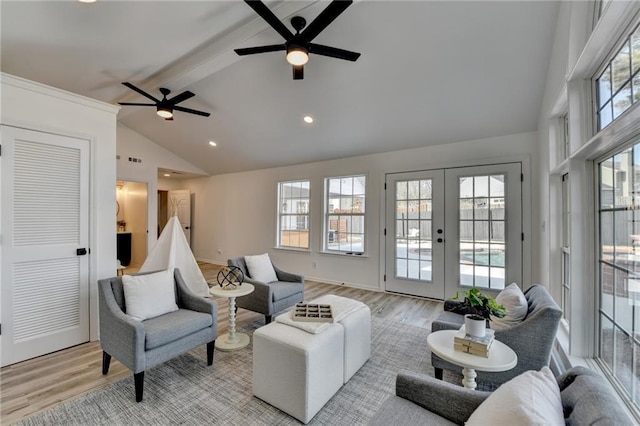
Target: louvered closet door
{"type": "Point", "coordinates": [45, 220]}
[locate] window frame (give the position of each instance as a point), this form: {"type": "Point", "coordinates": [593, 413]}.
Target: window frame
{"type": "Point", "coordinates": [328, 213]}
{"type": "Point", "coordinates": [294, 215]}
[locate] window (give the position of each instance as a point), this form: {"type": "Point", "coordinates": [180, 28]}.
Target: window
{"type": "Point", "coordinates": [618, 85]}
{"type": "Point", "coordinates": [293, 214]}
{"type": "Point", "coordinates": [482, 231]}
{"type": "Point", "coordinates": [619, 269]}
{"type": "Point", "coordinates": [565, 253]}
{"type": "Point", "coordinates": [345, 214]}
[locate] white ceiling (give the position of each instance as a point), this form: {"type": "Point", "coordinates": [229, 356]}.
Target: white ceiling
{"type": "Point", "coordinates": [431, 72]}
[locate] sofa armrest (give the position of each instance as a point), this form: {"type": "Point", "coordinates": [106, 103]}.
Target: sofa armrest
{"type": "Point", "coordinates": [189, 300]}
{"type": "Point", "coordinates": [447, 400]}
{"type": "Point", "coordinates": [120, 335]}
{"type": "Point", "coordinates": [288, 276]}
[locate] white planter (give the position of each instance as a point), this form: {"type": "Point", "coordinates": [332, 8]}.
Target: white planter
{"type": "Point", "coordinates": [475, 327]}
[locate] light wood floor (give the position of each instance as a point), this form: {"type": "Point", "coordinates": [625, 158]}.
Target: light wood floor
{"type": "Point", "coordinates": [41, 383]}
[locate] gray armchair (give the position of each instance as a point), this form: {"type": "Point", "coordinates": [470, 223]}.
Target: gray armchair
{"type": "Point", "coordinates": [270, 298]}
{"type": "Point", "coordinates": [587, 399]}
{"type": "Point", "coordinates": [140, 345]}
{"type": "Point", "coordinates": [531, 339]}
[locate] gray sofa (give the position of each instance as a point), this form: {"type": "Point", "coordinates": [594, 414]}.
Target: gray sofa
{"type": "Point", "coordinates": [531, 339]}
{"type": "Point", "coordinates": [140, 345]}
{"type": "Point", "coordinates": [270, 298]}
{"type": "Point", "coordinates": [587, 399]}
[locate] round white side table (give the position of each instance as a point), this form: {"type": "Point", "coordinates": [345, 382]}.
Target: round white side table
{"type": "Point", "coordinates": [232, 341]}
{"type": "Point", "coordinates": [501, 356]}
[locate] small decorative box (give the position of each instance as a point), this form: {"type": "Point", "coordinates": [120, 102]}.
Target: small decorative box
{"type": "Point", "coordinates": [312, 312]}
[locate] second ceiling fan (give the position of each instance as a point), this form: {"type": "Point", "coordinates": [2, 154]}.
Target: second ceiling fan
{"type": "Point", "coordinates": [298, 45]}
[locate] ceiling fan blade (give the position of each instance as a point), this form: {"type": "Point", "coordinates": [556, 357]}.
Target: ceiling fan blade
{"type": "Point", "coordinates": [260, 49]}
{"type": "Point", "coordinates": [327, 16]}
{"type": "Point", "coordinates": [181, 97]}
{"type": "Point", "coordinates": [142, 92]}
{"type": "Point", "coordinates": [333, 52]}
{"type": "Point", "coordinates": [191, 111]}
{"type": "Point", "coordinates": [169, 119]}
{"type": "Point", "coordinates": [266, 14]}
{"type": "Point", "coordinates": [135, 103]}
{"type": "Point", "coordinates": [298, 72]}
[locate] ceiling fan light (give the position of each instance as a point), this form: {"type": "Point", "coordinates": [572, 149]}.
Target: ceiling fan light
{"type": "Point", "coordinates": [297, 55]}
{"type": "Point", "coordinates": [164, 112]}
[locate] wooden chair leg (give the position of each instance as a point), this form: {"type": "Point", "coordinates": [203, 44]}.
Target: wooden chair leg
{"type": "Point", "coordinates": [106, 361]}
{"type": "Point", "coordinates": [138, 379]}
{"type": "Point", "coordinates": [267, 319]}
{"type": "Point", "coordinates": [210, 347]}
{"type": "Point", "coordinates": [438, 373]}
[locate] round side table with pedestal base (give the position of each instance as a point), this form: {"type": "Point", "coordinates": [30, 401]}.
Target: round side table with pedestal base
{"type": "Point", "coordinates": [501, 356]}
{"type": "Point", "coordinates": [232, 341]}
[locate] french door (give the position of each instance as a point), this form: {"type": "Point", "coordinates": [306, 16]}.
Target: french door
{"type": "Point", "coordinates": [452, 229]}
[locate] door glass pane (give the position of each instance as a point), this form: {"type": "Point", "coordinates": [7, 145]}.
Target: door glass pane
{"type": "Point", "coordinates": [413, 229]}
{"type": "Point", "coordinates": [482, 231]}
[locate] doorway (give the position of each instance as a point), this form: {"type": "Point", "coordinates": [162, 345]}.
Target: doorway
{"type": "Point", "coordinates": [452, 229]}
{"type": "Point", "coordinates": [131, 224]}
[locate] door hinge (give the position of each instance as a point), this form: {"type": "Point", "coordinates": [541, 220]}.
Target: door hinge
{"type": "Point", "coordinates": [522, 236]}
{"type": "Point", "coordinates": [385, 186]}
{"type": "Point", "coordinates": [385, 231]}
{"type": "Point", "coordinates": [385, 277]}
{"type": "Point", "coordinates": [0, 150]}
{"type": "Point", "coordinates": [521, 177]}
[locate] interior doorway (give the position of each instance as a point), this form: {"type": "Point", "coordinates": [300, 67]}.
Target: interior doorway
{"type": "Point", "coordinates": [131, 224]}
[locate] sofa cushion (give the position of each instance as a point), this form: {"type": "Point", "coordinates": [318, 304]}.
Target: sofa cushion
{"type": "Point", "coordinates": [532, 398]}
{"type": "Point", "coordinates": [283, 289]}
{"type": "Point", "coordinates": [149, 295]}
{"type": "Point", "coordinates": [399, 411]}
{"type": "Point", "coordinates": [173, 326]}
{"type": "Point", "coordinates": [260, 268]}
{"type": "Point", "coordinates": [517, 306]}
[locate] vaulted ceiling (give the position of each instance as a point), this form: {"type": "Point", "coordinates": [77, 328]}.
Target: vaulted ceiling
{"type": "Point", "coordinates": [431, 72]}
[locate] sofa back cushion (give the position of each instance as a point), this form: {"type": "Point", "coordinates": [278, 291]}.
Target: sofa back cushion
{"type": "Point", "coordinates": [588, 399]}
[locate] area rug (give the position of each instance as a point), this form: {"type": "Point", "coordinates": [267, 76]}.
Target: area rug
{"type": "Point", "coordinates": [186, 391]}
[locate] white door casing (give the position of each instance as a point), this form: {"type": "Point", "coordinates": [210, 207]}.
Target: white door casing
{"type": "Point", "coordinates": [45, 222]}
{"type": "Point", "coordinates": [180, 204]}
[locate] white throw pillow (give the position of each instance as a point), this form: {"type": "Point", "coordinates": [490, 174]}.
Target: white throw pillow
{"type": "Point", "coordinates": [532, 398]}
{"type": "Point", "coordinates": [148, 296]}
{"type": "Point", "coordinates": [260, 268]}
{"type": "Point", "coordinates": [517, 307]}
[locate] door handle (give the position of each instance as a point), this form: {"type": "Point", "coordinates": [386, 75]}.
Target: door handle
{"type": "Point", "coordinates": [440, 240]}
{"type": "Point", "coordinates": [81, 251]}
{"type": "Point", "coordinates": [186, 227]}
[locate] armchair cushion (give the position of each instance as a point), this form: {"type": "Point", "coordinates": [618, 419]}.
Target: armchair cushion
{"type": "Point", "coordinates": [170, 327]}
{"type": "Point", "coordinates": [530, 398]}
{"type": "Point", "coordinates": [517, 306]}
{"type": "Point", "coordinates": [282, 290]}
{"type": "Point", "coordinates": [260, 268]}
{"type": "Point", "coordinates": [149, 296]}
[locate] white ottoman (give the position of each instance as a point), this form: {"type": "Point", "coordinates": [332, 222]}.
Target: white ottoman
{"type": "Point", "coordinates": [296, 371]}
{"type": "Point", "coordinates": [357, 332]}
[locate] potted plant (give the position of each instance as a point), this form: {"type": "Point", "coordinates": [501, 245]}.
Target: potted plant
{"type": "Point", "coordinates": [478, 309]}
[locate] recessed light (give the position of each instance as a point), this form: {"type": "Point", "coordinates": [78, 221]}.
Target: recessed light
{"type": "Point", "coordinates": [212, 143]}
{"type": "Point", "coordinates": [308, 119]}
{"type": "Point", "coordinates": [167, 175]}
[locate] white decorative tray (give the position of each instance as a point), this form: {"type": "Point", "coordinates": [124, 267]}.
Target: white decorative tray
{"type": "Point", "coordinates": [312, 312]}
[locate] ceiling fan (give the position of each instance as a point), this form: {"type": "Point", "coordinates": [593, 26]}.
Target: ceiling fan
{"type": "Point", "coordinates": [298, 45]}
{"type": "Point", "coordinates": [164, 106]}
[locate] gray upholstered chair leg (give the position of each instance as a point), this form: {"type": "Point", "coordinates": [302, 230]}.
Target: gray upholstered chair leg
{"type": "Point", "coordinates": [138, 379]}
{"type": "Point", "coordinates": [210, 347]}
{"type": "Point", "coordinates": [267, 319]}
{"type": "Point", "coordinates": [106, 361]}
{"type": "Point", "coordinates": [438, 373]}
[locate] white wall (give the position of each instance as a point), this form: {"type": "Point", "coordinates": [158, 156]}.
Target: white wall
{"type": "Point", "coordinates": [35, 106]}
{"type": "Point", "coordinates": [235, 214]}
{"type": "Point", "coordinates": [153, 156]}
